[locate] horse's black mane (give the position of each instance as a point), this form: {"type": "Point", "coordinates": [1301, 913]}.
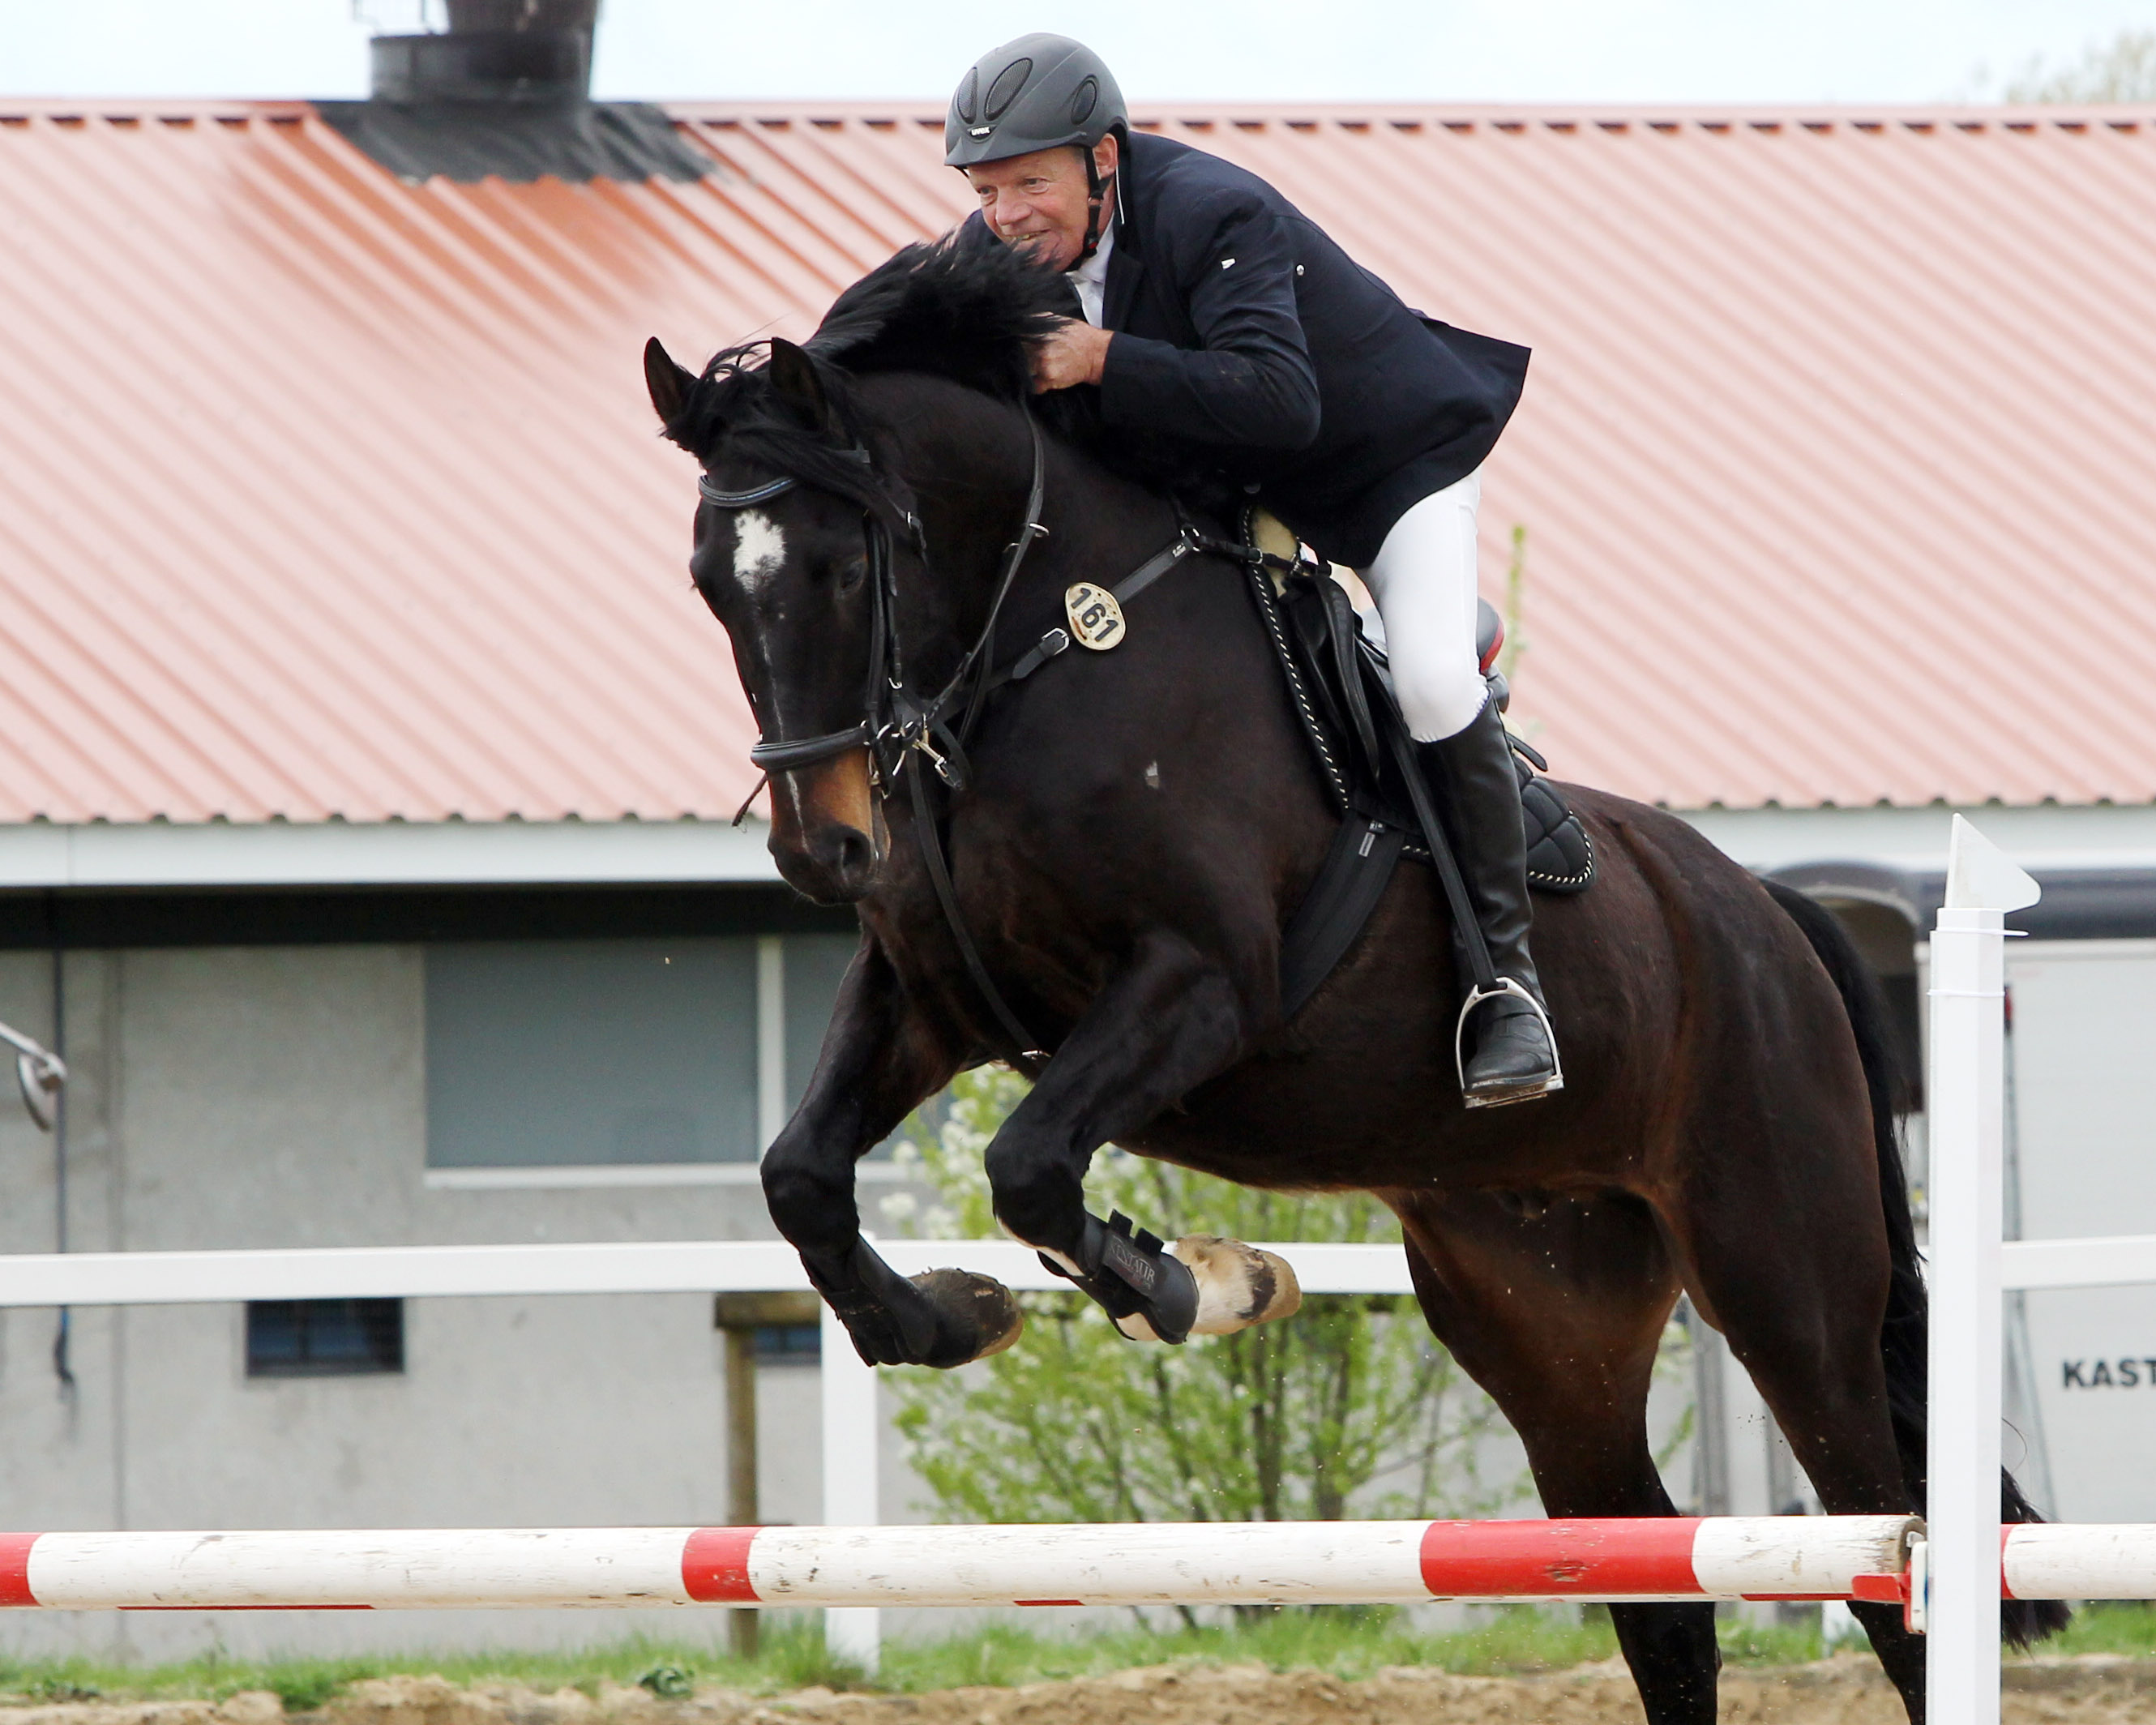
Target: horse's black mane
{"type": "Point", "coordinates": [967, 310]}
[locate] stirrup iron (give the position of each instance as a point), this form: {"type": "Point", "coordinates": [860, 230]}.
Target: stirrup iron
{"type": "Point", "coordinates": [1476, 994]}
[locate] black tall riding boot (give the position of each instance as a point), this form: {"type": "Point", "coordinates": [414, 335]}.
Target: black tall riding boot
{"type": "Point", "coordinates": [1511, 1058]}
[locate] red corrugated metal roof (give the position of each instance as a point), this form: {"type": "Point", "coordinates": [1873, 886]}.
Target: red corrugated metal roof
{"type": "Point", "coordinates": [327, 494]}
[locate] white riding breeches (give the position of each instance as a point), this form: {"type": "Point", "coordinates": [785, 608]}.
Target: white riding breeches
{"type": "Point", "coordinates": [1423, 581]}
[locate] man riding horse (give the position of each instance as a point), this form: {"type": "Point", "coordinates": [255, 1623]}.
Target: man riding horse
{"type": "Point", "coordinates": [1092, 881]}
{"type": "Point", "coordinates": [1221, 322]}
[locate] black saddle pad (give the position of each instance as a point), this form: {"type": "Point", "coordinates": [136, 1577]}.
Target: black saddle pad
{"type": "Point", "coordinates": [1560, 855]}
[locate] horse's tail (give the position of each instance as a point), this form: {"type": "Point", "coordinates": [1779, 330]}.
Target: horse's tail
{"type": "Point", "coordinates": [1903, 1337]}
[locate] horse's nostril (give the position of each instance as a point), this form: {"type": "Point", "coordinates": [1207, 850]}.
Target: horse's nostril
{"type": "Point", "coordinates": [856, 855]}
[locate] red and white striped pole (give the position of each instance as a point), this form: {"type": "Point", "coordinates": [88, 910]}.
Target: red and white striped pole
{"type": "Point", "coordinates": [1241, 1562]}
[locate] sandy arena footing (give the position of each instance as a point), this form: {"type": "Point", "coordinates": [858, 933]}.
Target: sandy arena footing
{"type": "Point", "coordinates": [1845, 1691]}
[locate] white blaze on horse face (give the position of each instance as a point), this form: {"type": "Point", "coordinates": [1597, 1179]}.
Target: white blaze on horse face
{"type": "Point", "coordinates": [759, 550]}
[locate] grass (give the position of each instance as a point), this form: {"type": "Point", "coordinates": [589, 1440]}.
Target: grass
{"type": "Point", "coordinates": [2121, 1629]}
{"type": "Point", "coordinates": [1346, 1641]}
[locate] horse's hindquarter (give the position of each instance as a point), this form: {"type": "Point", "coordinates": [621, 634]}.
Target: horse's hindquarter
{"type": "Point", "coordinates": [1770, 1112]}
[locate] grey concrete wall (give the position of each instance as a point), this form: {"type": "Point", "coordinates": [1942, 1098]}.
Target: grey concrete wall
{"type": "Point", "coordinates": [267, 1096]}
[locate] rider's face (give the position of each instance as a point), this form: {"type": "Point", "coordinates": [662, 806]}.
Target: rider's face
{"type": "Point", "coordinates": [1039, 201]}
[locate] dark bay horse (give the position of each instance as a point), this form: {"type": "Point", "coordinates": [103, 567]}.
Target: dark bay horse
{"type": "Point", "coordinates": [1134, 827]}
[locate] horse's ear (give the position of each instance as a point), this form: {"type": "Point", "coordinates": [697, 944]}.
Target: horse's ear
{"type": "Point", "coordinates": [668, 384]}
{"type": "Point", "coordinates": [794, 375]}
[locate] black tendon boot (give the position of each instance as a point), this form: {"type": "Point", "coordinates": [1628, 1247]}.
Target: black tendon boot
{"type": "Point", "coordinates": [1152, 1295]}
{"type": "Point", "coordinates": [1511, 1057]}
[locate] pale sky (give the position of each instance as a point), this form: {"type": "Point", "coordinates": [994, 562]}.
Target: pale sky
{"type": "Point", "coordinates": [1774, 51]}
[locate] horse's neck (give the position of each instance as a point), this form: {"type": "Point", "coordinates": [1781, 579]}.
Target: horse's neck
{"type": "Point", "coordinates": [969, 461]}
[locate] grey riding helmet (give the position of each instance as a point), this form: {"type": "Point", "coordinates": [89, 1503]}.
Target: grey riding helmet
{"type": "Point", "coordinates": [1040, 92]}
{"type": "Point", "coordinates": [1037, 93]}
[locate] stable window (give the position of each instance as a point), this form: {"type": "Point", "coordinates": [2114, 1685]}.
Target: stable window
{"type": "Point", "coordinates": [583, 1053]}
{"type": "Point", "coordinates": [567, 1060]}
{"type": "Point", "coordinates": [789, 1344]}
{"type": "Point", "coordinates": [324, 1338]}
{"type": "Point", "coordinates": [815, 965]}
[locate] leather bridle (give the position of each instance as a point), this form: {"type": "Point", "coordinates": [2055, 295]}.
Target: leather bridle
{"type": "Point", "coordinates": [894, 722]}
{"type": "Point", "coordinates": [895, 726]}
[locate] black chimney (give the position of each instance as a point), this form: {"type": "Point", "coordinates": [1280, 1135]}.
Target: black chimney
{"type": "Point", "coordinates": [494, 51]}
{"type": "Point", "coordinates": [505, 93]}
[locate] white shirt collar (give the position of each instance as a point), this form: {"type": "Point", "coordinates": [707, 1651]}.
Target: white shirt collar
{"type": "Point", "coordinates": [1091, 278]}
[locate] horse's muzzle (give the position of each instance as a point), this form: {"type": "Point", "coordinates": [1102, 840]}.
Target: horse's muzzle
{"type": "Point", "coordinates": [826, 829]}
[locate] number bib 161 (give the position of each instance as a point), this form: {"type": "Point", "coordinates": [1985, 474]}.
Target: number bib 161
{"type": "Point", "coordinates": [1096, 620]}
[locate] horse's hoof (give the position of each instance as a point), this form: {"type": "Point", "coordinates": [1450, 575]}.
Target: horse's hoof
{"type": "Point", "coordinates": [1238, 1285]}
{"type": "Point", "coordinates": [976, 1316]}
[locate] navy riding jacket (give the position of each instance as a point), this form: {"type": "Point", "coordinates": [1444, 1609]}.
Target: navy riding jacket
{"type": "Point", "coordinates": [1252, 344]}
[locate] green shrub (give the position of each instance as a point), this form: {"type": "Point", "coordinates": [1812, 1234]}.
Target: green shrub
{"type": "Point", "coordinates": [1294, 1420]}
{"type": "Point", "coordinates": [56, 1688]}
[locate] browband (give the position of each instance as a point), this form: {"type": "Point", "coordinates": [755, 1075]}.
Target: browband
{"type": "Point", "coordinates": [741, 500]}
{"type": "Point", "coordinates": [766, 491]}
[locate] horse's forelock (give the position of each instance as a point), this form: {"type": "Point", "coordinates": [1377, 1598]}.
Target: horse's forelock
{"type": "Point", "coordinates": [735, 408]}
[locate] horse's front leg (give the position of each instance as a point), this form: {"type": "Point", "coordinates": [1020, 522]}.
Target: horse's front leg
{"type": "Point", "coordinates": [1169, 1021]}
{"type": "Point", "coordinates": [880, 1059]}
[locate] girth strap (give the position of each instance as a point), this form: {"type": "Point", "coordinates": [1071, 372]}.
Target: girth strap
{"type": "Point", "coordinates": [1353, 877]}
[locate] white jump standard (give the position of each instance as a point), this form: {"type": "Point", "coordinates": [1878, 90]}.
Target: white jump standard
{"type": "Point", "coordinates": [1238, 1563]}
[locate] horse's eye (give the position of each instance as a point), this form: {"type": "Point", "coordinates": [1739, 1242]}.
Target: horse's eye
{"type": "Point", "coordinates": [852, 573]}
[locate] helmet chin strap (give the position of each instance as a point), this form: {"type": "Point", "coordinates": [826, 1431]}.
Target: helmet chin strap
{"type": "Point", "coordinates": [1098, 191]}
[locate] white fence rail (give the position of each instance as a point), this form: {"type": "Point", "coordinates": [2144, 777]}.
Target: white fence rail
{"type": "Point", "coordinates": [742, 1266]}
{"type": "Point", "coordinates": [731, 1266]}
